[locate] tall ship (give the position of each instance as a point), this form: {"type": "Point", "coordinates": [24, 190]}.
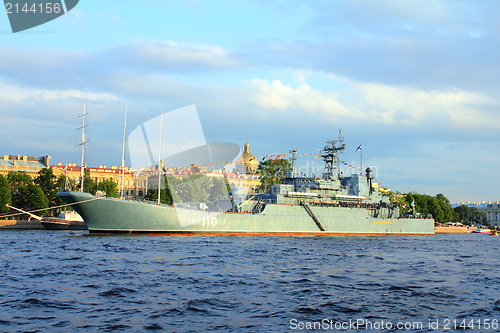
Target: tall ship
{"type": "Point", "coordinates": [333, 204]}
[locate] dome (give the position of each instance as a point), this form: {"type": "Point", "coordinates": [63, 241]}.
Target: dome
{"type": "Point", "coordinates": [250, 163]}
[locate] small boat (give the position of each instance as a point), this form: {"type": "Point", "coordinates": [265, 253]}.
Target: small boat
{"type": "Point", "coordinates": [480, 231]}
{"type": "Point", "coordinates": [493, 233]}
{"type": "Point", "coordinates": [67, 221]}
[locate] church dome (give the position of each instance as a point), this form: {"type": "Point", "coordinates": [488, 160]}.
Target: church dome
{"type": "Point", "coordinates": [250, 163]}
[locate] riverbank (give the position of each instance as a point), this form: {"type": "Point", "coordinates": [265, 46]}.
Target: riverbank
{"type": "Point", "coordinates": [453, 230]}
{"type": "Point", "coordinates": [20, 224]}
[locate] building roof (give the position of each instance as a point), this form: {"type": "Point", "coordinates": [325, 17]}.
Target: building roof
{"type": "Point", "coordinates": [23, 163]}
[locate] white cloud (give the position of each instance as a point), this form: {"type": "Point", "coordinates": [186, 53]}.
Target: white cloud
{"type": "Point", "coordinates": [176, 55]}
{"type": "Point", "coordinates": [276, 95]}
{"type": "Point", "coordinates": [69, 94]}
{"type": "Point", "coordinates": [16, 93]}
{"type": "Point", "coordinates": [405, 106]}
{"type": "Point", "coordinates": [376, 103]}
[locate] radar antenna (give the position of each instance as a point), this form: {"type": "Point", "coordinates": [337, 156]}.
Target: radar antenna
{"type": "Point", "coordinates": [330, 155]}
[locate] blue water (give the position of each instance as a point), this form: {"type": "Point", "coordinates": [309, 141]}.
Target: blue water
{"type": "Point", "coordinates": [68, 281]}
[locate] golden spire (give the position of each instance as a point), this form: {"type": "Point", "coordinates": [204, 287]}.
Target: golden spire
{"type": "Point", "coordinates": [247, 148]}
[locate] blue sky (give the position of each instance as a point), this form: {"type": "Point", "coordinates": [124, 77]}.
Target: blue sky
{"type": "Point", "coordinates": [414, 82]}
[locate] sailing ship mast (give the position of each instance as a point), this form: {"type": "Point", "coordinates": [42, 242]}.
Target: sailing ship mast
{"type": "Point", "coordinates": [83, 147]}
{"type": "Point", "coordinates": [159, 157]}
{"type": "Point", "coordinates": [123, 151]}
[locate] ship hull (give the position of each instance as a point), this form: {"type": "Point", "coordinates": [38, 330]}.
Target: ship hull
{"type": "Point", "coordinates": [107, 216]}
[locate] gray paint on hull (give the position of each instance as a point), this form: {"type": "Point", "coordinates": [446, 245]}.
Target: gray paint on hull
{"type": "Point", "coordinates": [114, 215]}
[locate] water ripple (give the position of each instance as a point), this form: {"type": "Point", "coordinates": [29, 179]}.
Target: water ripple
{"type": "Point", "coordinates": [68, 281]}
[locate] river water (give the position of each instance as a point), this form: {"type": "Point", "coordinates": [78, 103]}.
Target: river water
{"type": "Point", "coordinates": [68, 281]}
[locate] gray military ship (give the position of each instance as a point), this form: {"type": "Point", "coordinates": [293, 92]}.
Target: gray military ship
{"type": "Point", "coordinates": [331, 205]}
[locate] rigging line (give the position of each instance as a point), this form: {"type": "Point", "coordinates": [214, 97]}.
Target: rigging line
{"type": "Point", "coordinates": [41, 209]}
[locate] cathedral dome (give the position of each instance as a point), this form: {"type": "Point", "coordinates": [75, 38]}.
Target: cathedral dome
{"type": "Point", "coordinates": [250, 163]}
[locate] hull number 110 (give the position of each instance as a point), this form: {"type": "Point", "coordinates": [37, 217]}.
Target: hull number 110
{"type": "Point", "coordinates": [209, 221]}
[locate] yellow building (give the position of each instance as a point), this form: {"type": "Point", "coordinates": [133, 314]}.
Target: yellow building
{"type": "Point", "coordinates": [98, 174]}
{"type": "Point", "coordinates": [29, 164]}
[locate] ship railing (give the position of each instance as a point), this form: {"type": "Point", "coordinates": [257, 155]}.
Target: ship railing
{"type": "Point", "coordinates": [268, 201]}
{"type": "Point", "coordinates": [259, 206]}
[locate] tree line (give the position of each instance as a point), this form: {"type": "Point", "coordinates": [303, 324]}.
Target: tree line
{"type": "Point", "coordinates": [439, 207]}
{"type": "Point", "coordinates": [19, 190]}
{"type": "Point", "coordinates": [195, 188]}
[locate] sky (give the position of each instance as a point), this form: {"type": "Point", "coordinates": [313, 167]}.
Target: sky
{"type": "Point", "coordinates": [415, 83]}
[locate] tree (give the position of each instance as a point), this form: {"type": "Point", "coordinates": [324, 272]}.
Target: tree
{"type": "Point", "coordinates": [5, 196]}
{"type": "Point", "coordinates": [19, 182]}
{"type": "Point", "coordinates": [446, 207]}
{"type": "Point", "coordinates": [37, 201]}
{"type": "Point", "coordinates": [108, 186]}
{"type": "Point", "coordinates": [435, 209]}
{"type": "Point", "coordinates": [165, 195]}
{"type": "Point", "coordinates": [220, 189]}
{"type": "Point", "coordinates": [89, 185]}
{"type": "Point", "coordinates": [195, 188]}
{"type": "Point", "coordinates": [438, 206]}
{"type": "Point", "coordinates": [61, 183]}
{"type": "Point", "coordinates": [469, 215]}
{"type": "Point", "coordinates": [462, 214]}
{"type": "Point", "coordinates": [48, 184]}
{"type": "Point", "coordinates": [25, 194]}
{"type": "Point", "coordinates": [272, 173]}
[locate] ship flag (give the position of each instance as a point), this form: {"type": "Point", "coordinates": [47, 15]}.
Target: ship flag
{"type": "Point", "coordinates": [281, 157]}
{"type": "Point", "coordinates": [360, 149]}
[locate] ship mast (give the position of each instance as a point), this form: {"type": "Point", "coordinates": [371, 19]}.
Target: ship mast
{"type": "Point", "coordinates": [330, 155]}
{"type": "Point", "coordinates": [293, 151]}
{"type": "Point", "coordinates": [83, 146]}
{"type": "Point", "coordinates": [159, 157]}
{"type": "Point", "coordinates": [123, 150]}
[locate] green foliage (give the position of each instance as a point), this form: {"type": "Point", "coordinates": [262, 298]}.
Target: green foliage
{"type": "Point", "coordinates": [165, 195]}
{"type": "Point", "coordinates": [89, 184]}
{"type": "Point", "coordinates": [36, 200]}
{"type": "Point", "coordinates": [469, 215]}
{"type": "Point", "coordinates": [272, 173]}
{"type": "Point", "coordinates": [438, 206]}
{"type": "Point", "coordinates": [196, 188]}
{"type": "Point", "coordinates": [19, 182]}
{"type": "Point", "coordinates": [61, 183]}
{"type": "Point", "coordinates": [48, 184]}
{"type": "Point", "coordinates": [5, 196]}
{"type": "Point", "coordinates": [110, 187]}
{"type": "Point", "coordinates": [25, 194]}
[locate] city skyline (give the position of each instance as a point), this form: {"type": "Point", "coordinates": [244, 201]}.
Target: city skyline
{"type": "Point", "coordinates": [413, 83]}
